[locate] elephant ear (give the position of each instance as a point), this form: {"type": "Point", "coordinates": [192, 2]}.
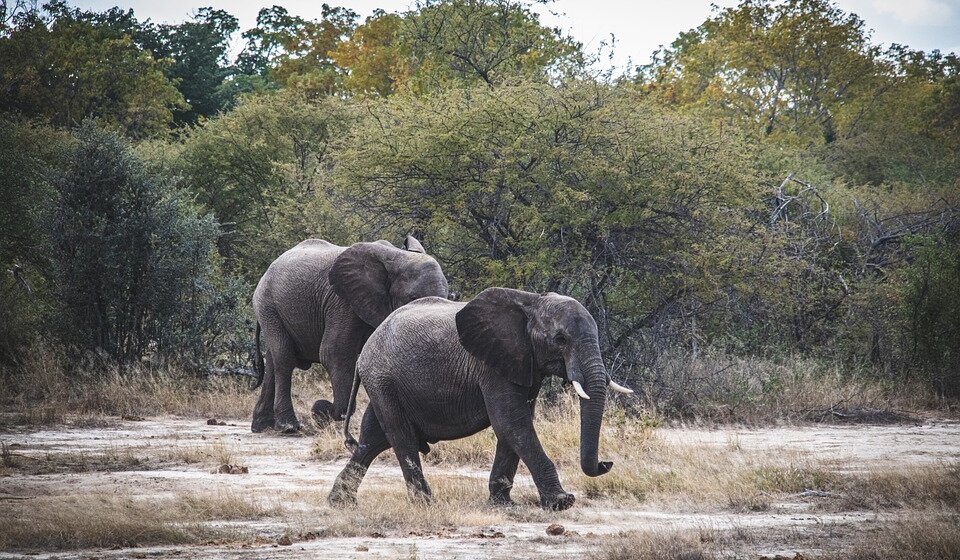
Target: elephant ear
{"type": "Point", "coordinates": [361, 279]}
{"type": "Point", "coordinates": [413, 244]}
{"type": "Point", "coordinates": [493, 328]}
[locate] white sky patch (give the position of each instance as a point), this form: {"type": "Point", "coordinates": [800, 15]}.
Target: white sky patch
{"type": "Point", "coordinates": [915, 12]}
{"type": "Point", "coordinates": [640, 26]}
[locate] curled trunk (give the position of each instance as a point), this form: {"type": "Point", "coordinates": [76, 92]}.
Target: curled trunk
{"type": "Point", "coordinates": [587, 364]}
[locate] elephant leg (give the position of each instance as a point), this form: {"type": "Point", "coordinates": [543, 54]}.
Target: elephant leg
{"type": "Point", "coordinates": [284, 360]}
{"type": "Point", "coordinates": [407, 448]}
{"type": "Point", "coordinates": [404, 440]}
{"type": "Point", "coordinates": [372, 443]}
{"type": "Point", "coordinates": [512, 421]}
{"type": "Point", "coordinates": [338, 354]}
{"type": "Point", "coordinates": [263, 412]}
{"type": "Point", "coordinates": [504, 469]}
{"type": "Point", "coordinates": [505, 463]}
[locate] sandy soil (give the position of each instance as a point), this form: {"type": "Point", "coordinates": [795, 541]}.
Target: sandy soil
{"type": "Point", "coordinates": [284, 465]}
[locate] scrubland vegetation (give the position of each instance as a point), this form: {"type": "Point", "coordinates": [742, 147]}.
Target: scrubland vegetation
{"type": "Point", "coordinates": [717, 212]}
{"type": "Point", "coordinates": [763, 221]}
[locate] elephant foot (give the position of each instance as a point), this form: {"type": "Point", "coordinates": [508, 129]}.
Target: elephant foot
{"type": "Point", "coordinates": [324, 413]}
{"type": "Point", "coordinates": [419, 493]}
{"type": "Point", "coordinates": [341, 497]}
{"type": "Point", "coordinates": [262, 424]}
{"type": "Point", "coordinates": [558, 502]}
{"type": "Point", "coordinates": [287, 427]}
{"type": "Point", "coordinates": [502, 501]}
{"type": "Point", "coordinates": [287, 423]}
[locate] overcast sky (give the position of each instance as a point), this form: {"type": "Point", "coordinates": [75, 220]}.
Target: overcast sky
{"type": "Point", "coordinates": [639, 26]}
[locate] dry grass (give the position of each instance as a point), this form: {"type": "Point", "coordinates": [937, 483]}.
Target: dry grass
{"type": "Point", "coordinates": [214, 453]}
{"type": "Point", "coordinates": [458, 502]}
{"type": "Point", "coordinates": [648, 469]}
{"type": "Point", "coordinates": [42, 391]}
{"type": "Point", "coordinates": [716, 388]}
{"type": "Point", "coordinates": [111, 519]}
{"type": "Point", "coordinates": [908, 539]}
{"type": "Point", "coordinates": [930, 486]}
{"type": "Point", "coordinates": [687, 478]}
{"type": "Point", "coordinates": [654, 545]}
{"type": "Point", "coordinates": [720, 388]}
{"type": "Point", "coordinates": [476, 450]}
{"type": "Point", "coordinates": [930, 537]}
{"type": "Point", "coordinates": [112, 459]}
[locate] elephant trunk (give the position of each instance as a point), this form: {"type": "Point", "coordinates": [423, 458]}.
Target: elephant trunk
{"type": "Point", "coordinates": [586, 364]}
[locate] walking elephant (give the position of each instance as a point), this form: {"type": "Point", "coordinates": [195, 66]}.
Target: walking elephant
{"type": "Point", "coordinates": [439, 370]}
{"type": "Point", "coordinates": [319, 302]}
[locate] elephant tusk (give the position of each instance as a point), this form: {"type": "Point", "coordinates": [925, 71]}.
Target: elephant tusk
{"type": "Point", "coordinates": [579, 389]}
{"type": "Point", "coordinates": [619, 388]}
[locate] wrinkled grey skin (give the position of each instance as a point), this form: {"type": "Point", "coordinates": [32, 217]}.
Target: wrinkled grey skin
{"type": "Point", "coordinates": [319, 302]}
{"type": "Point", "coordinates": [440, 370]}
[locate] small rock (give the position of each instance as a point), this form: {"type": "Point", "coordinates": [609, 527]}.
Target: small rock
{"type": "Point", "coordinates": [555, 530]}
{"type": "Point", "coordinates": [488, 534]}
{"type": "Point", "coordinates": [284, 541]}
{"type": "Point", "coordinates": [227, 468]}
{"type": "Point", "coordinates": [215, 422]}
{"type": "Point", "coordinates": [362, 548]}
{"type": "Point", "coordinates": [377, 535]}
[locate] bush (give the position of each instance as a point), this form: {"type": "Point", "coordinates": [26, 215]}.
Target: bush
{"type": "Point", "coordinates": [28, 155]}
{"type": "Point", "coordinates": [133, 266]}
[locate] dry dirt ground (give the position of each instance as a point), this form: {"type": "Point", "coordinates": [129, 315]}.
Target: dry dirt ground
{"type": "Point", "coordinates": [165, 459]}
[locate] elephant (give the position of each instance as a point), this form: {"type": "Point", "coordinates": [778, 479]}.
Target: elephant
{"type": "Point", "coordinates": [440, 370]}
{"type": "Point", "coordinates": [318, 303]}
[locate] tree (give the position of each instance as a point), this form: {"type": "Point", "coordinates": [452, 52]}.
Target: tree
{"type": "Point", "coordinates": [296, 52]}
{"type": "Point", "coordinates": [584, 189]}
{"type": "Point", "coordinates": [64, 65]}
{"type": "Point", "coordinates": [373, 57]}
{"type": "Point", "coordinates": [262, 169]}
{"type": "Point", "coordinates": [780, 67]}
{"type": "Point", "coordinates": [200, 65]}
{"type": "Point", "coordinates": [29, 156]}
{"type": "Point", "coordinates": [133, 265]}
{"type": "Point", "coordinates": [484, 40]}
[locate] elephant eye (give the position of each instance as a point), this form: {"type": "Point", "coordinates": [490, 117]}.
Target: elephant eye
{"type": "Point", "coordinates": [560, 339]}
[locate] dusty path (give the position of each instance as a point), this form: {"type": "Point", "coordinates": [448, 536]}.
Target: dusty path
{"type": "Point", "coordinates": [168, 457]}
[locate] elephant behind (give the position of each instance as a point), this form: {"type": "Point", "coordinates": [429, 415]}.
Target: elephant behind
{"type": "Point", "coordinates": [439, 370]}
{"type": "Point", "coordinates": [318, 303]}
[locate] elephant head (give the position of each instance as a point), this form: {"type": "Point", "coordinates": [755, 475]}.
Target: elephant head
{"type": "Point", "coordinates": [376, 278]}
{"type": "Point", "coordinates": [525, 336]}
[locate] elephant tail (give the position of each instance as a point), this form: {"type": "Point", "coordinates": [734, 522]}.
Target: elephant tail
{"type": "Point", "coordinates": [350, 443]}
{"type": "Point", "coordinates": [258, 365]}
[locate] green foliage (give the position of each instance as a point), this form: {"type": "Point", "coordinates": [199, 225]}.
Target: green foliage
{"type": "Point", "coordinates": [198, 49]}
{"type": "Point", "coordinates": [489, 41]}
{"type": "Point", "coordinates": [65, 65]}
{"type": "Point", "coordinates": [372, 57]}
{"type": "Point", "coordinates": [262, 170]}
{"type": "Point", "coordinates": [132, 264]}
{"type": "Point", "coordinates": [296, 52]}
{"type": "Point", "coordinates": [583, 189]}
{"type": "Point", "coordinates": [772, 184]}
{"type": "Point", "coordinates": [789, 66]}
{"type": "Point", "coordinates": [931, 309]}
{"type": "Point", "coordinates": [29, 154]}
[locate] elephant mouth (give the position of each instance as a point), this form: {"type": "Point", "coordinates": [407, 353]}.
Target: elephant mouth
{"type": "Point", "coordinates": [555, 367]}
